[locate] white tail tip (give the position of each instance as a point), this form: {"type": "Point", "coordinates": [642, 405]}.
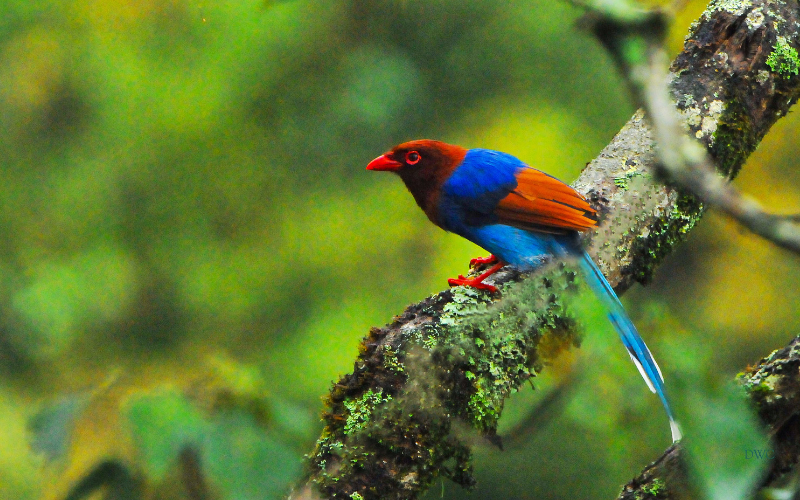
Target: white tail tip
{"type": "Point", "coordinates": [642, 372]}
{"type": "Point", "coordinates": [676, 431]}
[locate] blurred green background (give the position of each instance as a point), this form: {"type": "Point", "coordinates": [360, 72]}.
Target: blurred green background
{"type": "Point", "coordinates": [192, 249]}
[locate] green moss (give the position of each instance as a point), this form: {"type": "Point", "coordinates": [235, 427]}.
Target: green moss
{"type": "Point", "coordinates": [621, 181]}
{"type": "Point", "coordinates": [734, 138]}
{"type": "Point", "coordinates": [485, 407]}
{"type": "Point", "coordinates": [466, 301]}
{"type": "Point", "coordinates": [763, 387]}
{"type": "Point", "coordinates": [496, 341]}
{"type": "Point", "coordinates": [661, 237]}
{"type": "Point", "coordinates": [391, 361]}
{"type": "Point", "coordinates": [784, 59]}
{"type": "Point", "coordinates": [360, 410]}
{"type": "Point", "coordinates": [654, 488]}
{"type": "Point", "coordinates": [758, 385]}
{"type": "Point", "coordinates": [329, 446]}
{"type": "Point", "coordinates": [356, 496]}
{"type": "Point", "coordinates": [431, 341]}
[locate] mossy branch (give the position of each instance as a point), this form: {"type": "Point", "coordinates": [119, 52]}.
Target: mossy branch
{"type": "Point", "coordinates": [424, 384]}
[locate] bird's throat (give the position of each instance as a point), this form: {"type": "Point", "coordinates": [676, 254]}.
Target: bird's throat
{"type": "Point", "coordinates": [425, 186]}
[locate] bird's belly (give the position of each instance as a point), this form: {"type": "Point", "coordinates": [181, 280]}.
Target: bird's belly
{"type": "Point", "coordinates": [521, 248]}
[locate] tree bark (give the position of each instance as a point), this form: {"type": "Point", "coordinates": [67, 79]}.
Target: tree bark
{"type": "Point", "coordinates": [423, 384]}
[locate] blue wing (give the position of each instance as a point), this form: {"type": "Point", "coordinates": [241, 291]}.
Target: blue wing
{"type": "Point", "coordinates": [468, 202]}
{"type": "Point", "coordinates": [475, 188]}
{"type": "Point", "coordinates": [489, 187]}
{"type": "Point", "coordinates": [483, 179]}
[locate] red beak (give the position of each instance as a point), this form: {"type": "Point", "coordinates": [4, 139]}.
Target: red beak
{"type": "Point", "coordinates": [383, 162]}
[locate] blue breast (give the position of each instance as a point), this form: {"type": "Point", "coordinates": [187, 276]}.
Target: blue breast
{"type": "Point", "coordinates": [524, 249]}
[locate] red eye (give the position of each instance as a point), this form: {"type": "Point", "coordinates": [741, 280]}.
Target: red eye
{"type": "Point", "coordinates": [412, 157]}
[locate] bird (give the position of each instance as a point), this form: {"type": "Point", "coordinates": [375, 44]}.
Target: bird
{"type": "Point", "coordinates": [521, 215]}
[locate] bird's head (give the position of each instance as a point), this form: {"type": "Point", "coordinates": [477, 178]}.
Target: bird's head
{"type": "Point", "coordinates": [424, 166]}
{"type": "Point", "coordinates": [418, 158]}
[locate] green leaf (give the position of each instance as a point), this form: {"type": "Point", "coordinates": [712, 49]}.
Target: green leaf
{"type": "Point", "coordinates": [51, 428]}
{"type": "Point", "coordinates": [162, 424]}
{"type": "Point", "coordinates": [246, 462]}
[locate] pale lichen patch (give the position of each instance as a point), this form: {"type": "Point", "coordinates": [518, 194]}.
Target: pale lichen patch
{"type": "Point", "coordinates": [693, 116]}
{"type": "Point", "coordinates": [707, 124]}
{"type": "Point", "coordinates": [755, 19]}
{"type": "Point", "coordinates": [735, 7]}
{"type": "Point", "coordinates": [621, 179]}
{"type": "Point", "coordinates": [716, 107]}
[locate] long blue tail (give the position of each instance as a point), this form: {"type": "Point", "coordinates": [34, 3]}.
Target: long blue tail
{"type": "Point", "coordinates": [637, 349]}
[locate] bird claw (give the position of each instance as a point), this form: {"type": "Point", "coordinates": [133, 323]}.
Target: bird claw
{"type": "Point", "coordinates": [479, 261]}
{"type": "Point", "coordinates": [473, 282]}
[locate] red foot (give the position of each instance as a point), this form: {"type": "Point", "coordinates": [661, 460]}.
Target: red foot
{"type": "Point", "coordinates": [477, 282]}
{"type": "Point", "coordinates": [473, 282]}
{"type": "Point", "coordinates": [479, 261]}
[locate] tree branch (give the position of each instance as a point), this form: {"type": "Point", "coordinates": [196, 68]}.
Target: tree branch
{"type": "Point", "coordinates": [423, 384]}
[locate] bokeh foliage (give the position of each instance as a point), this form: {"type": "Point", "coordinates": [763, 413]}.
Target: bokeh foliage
{"type": "Point", "coordinates": [192, 248]}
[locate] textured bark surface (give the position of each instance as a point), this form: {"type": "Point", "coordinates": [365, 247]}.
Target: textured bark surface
{"type": "Point", "coordinates": [732, 79]}
{"type": "Point", "coordinates": [432, 381]}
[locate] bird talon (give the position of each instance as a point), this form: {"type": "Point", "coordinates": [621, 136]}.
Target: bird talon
{"type": "Point", "coordinates": [479, 261]}
{"type": "Point", "coordinates": [473, 282]}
